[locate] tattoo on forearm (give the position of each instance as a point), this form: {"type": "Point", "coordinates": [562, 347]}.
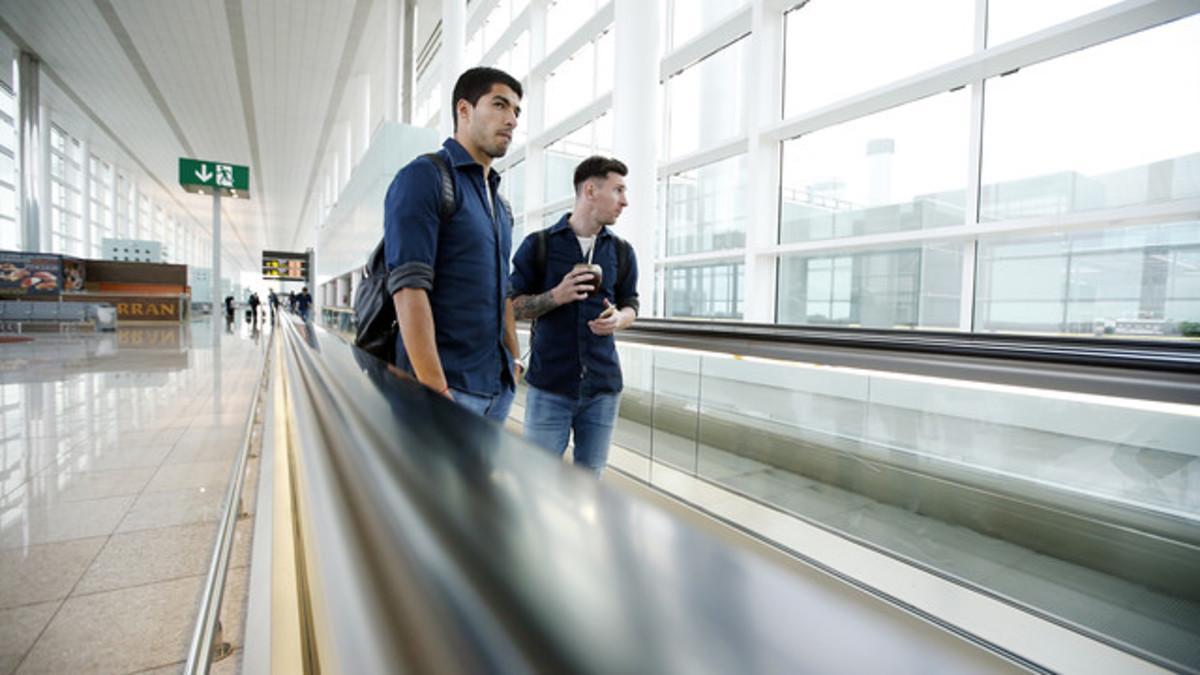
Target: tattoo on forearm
{"type": "Point", "coordinates": [532, 306]}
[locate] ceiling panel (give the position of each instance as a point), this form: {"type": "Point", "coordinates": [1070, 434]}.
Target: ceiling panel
{"type": "Point", "coordinates": [293, 50]}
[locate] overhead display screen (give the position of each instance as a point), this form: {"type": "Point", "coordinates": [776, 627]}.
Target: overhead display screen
{"type": "Point", "coordinates": [284, 266]}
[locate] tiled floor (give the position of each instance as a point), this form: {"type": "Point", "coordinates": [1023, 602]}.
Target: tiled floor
{"type": "Point", "coordinates": [115, 453]}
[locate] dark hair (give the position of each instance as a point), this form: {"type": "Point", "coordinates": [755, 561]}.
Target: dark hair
{"type": "Point", "coordinates": [476, 82]}
{"type": "Point", "coordinates": [598, 166]}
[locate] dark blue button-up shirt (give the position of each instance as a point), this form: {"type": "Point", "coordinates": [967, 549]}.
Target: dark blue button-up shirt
{"type": "Point", "coordinates": [462, 265]}
{"type": "Point", "coordinates": [565, 351]}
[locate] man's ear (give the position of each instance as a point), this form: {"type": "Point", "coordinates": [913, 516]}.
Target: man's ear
{"type": "Point", "coordinates": [462, 110]}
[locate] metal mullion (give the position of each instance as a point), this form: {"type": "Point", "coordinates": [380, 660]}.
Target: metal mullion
{"type": "Point", "coordinates": [711, 155]}
{"type": "Point", "coordinates": [970, 249]}
{"type": "Point", "coordinates": [576, 41]}
{"type": "Point", "coordinates": [731, 29]}
{"type": "Point", "coordinates": [509, 37]}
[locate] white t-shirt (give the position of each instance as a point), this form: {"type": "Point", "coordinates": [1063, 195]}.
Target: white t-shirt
{"type": "Point", "coordinates": [585, 246]}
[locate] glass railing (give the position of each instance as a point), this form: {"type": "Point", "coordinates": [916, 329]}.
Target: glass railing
{"type": "Point", "coordinates": [1081, 508]}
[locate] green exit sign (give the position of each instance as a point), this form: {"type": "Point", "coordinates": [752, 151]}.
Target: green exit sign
{"type": "Point", "coordinates": [200, 176]}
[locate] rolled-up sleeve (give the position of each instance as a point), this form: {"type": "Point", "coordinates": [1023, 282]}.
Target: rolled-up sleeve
{"type": "Point", "coordinates": [627, 295]}
{"type": "Point", "coordinates": [522, 281]}
{"type": "Point", "coordinates": [410, 226]}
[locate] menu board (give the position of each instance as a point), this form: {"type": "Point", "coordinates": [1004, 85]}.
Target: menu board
{"type": "Point", "coordinates": [29, 274]}
{"type": "Point", "coordinates": [284, 266]}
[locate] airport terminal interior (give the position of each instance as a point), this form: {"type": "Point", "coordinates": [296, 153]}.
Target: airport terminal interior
{"type": "Point", "coordinates": [913, 387]}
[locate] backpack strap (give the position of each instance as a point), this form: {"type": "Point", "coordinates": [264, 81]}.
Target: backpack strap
{"type": "Point", "coordinates": [539, 260]}
{"type": "Point", "coordinates": [449, 204]}
{"type": "Point", "coordinates": [624, 267]}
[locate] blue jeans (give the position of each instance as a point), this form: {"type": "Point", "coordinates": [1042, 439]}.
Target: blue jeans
{"type": "Point", "coordinates": [550, 418]}
{"type": "Point", "coordinates": [493, 407]}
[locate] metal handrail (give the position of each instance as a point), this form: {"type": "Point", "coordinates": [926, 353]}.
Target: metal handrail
{"type": "Point", "coordinates": [428, 539]}
{"type": "Point", "coordinates": [206, 636]}
{"type": "Point", "coordinates": [1143, 369]}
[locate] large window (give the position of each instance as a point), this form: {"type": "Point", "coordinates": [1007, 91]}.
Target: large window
{"type": "Point", "coordinates": [706, 101]}
{"type": "Point", "coordinates": [10, 234]}
{"type": "Point", "coordinates": [66, 193]}
{"type": "Point", "coordinates": [1142, 280]}
{"type": "Point", "coordinates": [563, 155]}
{"type": "Point", "coordinates": [908, 288]}
{"type": "Point", "coordinates": [101, 212]}
{"type": "Point", "coordinates": [690, 18]}
{"type": "Point", "coordinates": [580, 79]}
{"type": "Point", "coordinates": [901, 169]}
{"type": "Point", "coordinates": [1123, 132]}
{"type": "Point", "coordinates": [838, 49]}
{"type": "Point", "coordinates": [706, 291]}
{"type": "Point", "coordinates": [706, 208]}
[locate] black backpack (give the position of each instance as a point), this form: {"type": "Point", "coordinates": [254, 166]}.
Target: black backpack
{"type": "Point", "coordinates": [374, 310]}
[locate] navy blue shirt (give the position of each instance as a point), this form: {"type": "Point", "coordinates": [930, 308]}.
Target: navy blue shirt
{"type": "Point", "coordinates": [565, 351]}
{"type": "Point", "coordinates": [463, 265]}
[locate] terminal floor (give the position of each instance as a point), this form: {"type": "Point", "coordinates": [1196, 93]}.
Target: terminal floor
{"type": "Point", "coordinates": [116, 451]}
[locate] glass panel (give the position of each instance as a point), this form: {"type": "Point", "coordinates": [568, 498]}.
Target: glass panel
{"type": "Point", "coordinates": [633, 430]}
{"type": "Point", "coordinates": [1142, 280]}
{"type": "Point", "coordinates": [897, 170]}
{"type": "Point", "coordinates": [692, 17]}
{"type": "Point", "coordinates": [919, 287]}
{"type": "Point", "coordinates": [706, 208]}
{"type": "Point", "coordinates": [512, 186]}
{"type": "Point", "coordinates": [564, 17]}
{"type": "Point", "coordinates": [1114, 125]}
{"type": "Point", "coordinates": [675, 402]}
{"type": "Point", "coordinates": [832, 52]}
{"type": "Point", "coordinates": [705, 291]}
{"type": "Point", "coordinates": [571, 86]}
{"type": "Point", "coordinates": [1008, 19]}
{"type": "Point", "coordinates": [706, 101]}
{"type": "Point", "coordinates": [563, 155]}
{"type": "Point", "coordinates": [1079, 506]}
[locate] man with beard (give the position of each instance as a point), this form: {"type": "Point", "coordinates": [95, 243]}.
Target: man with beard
{"type": "Point", "coordinates": [449, 277]}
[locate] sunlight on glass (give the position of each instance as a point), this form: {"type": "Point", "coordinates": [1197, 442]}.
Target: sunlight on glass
{"type": "Point", "coordinates": [915, 287]}
{"type": "Point", "coordinates": [692, 17]}
{"type": "Point", "coordinates": [571, 86]}
{"type": "Point", "coordinates": [705, 291]}
{"type": "Point", "coordinates": [564, 17]}
{"type": "Point", "coordinates": [706, 101]}
{"type": "Point", "coordinates": [1008, 19]}
{"type": "Point", "coordinates": [835, 50]}
{"type": "Point", "coordinates": [706, 208]}
{"type": "Point", "coordinates": [1138, 280]}
{"type": "Point", "coordinates": [897, 170]}
{"type": "Point", "coordinates": [1114, 125]}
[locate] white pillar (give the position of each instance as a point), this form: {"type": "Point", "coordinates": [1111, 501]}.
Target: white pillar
{"type": "Point", "coordinates": [454, 39]}
{"type": "Point", "coordinates": [85, 210]}
{"type": "Point", "coordinates": [637, 50]}
{"type": "Point", "coordinates": [763, 103]}
{"type": "Point", "coordinates": [46, 210]}
{"type": "Point", "coordinates": [535, 105]}
{"type": "Point", "coordinates": [111, 197]}
{"type": "Point", "coordinates": [216, 254]}
{"type": "Point", "coordinates": [393, 51]}
{"type": "Point", "coordinates": [33, 213]}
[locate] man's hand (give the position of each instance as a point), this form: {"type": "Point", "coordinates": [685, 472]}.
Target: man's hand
{"type": "Point", "coordinates": [609, 321]}
{"type": "Point", "coordinates": [573, 287]}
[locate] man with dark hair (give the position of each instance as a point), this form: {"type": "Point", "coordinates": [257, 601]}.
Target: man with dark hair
{"type": "Point", "coordinates": [578, 281]}
{"type": "Point", "coordinates": [448, 277]}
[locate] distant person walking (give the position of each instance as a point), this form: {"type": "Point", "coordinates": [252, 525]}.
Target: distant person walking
{"type": "Point", "coordinates": [303, 303]}
{"type": "Point", "coordinates": [255, 302]}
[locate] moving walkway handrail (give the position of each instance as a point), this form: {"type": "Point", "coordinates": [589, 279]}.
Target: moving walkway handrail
{"type": "Point", "coordinates": [1166, 371]}
{"type": "Point", "coordinates": [206, 635]}
{"type": "Point", "coordinates": [433, 540]}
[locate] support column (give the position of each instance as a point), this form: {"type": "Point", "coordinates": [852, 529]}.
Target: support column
{"type": "Point", "coordinates": [763, 103]}
{"type": "Point", "coordinates": [637, 50]}
{"type": "Point", "coordinates": [112, 207]}
{"type": "Point", "coordinates": [30, 159]}
{"type": "Point", "coordinates": [454, 39]}
{"type": "Point", "coordinates": [394, 45]}
{"type": "Point", "coordinates": [533, 119]}
{"type": "Point", "coordinates": [406, 61]}
{"type": "Point", "coordinates": [216, 254]}
{"type": "Point", "coordinates": [46, 212]}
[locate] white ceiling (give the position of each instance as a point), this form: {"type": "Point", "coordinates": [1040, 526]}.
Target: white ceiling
{"type": "Point", "coordinates": [167, 78]}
